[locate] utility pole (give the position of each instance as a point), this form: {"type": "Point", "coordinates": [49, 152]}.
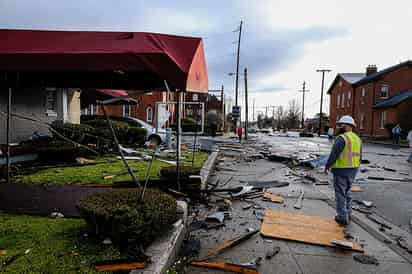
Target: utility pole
{"type": "Point", "coordinates": [222, 98]}
{"type": "Point", "coordinates": [304, 90]}
{"type": "Point", "coordinates": [321, 97]}
{"type": "Point", "coordinates": [237, 69]}
{"type": "Point", "coordinates": [253, 109]}
{"type": "Point", "coordinates": [246, 107]}
{"type": "Point", "coordinates": [266, 114]}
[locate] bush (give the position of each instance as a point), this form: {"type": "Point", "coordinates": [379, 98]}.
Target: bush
{"type": "Point", "coordinates": [61, 152]}
{"type": "Point", "coordinates": [76, 132]}
{"type": "Point", "coordinates": [120, 215]}
{"type": "Point", "coordinates": [188, 125]}
{"type": "Point", "coordinates": [136, 136]}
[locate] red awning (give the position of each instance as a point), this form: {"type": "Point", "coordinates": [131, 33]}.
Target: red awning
{"type": "Point", "coordinates": [115, 60]}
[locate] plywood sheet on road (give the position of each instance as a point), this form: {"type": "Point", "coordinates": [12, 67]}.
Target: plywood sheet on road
{"type": "Point", "coordinates": [356, 189]}
{"type": "Point", "coordinates": [273, 198]}
{"type": "Point", "coordinates": [303, 228]}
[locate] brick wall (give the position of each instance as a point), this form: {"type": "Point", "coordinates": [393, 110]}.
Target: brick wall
{"type": "Point", "coordinates": [341, 89]}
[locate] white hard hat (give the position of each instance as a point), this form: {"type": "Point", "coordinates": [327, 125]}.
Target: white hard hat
{"type": "Point", "coordinates": [347, 120]}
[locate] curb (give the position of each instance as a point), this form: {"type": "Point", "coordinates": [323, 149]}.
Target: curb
{"type": "Point", "coordinates": [164, 250]}
{"type": "Point", "coordinates": [207, 168]}
{"type": "Point", "coordinates": [386, 144]}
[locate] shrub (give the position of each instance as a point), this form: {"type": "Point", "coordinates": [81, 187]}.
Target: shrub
{"type": "Point", "coordinates": [188, 125]}
{"type": "Point", "coordinates": [76, 132]}
{"type": "Point", "coordinates": [120, 215]}
{"type": "Point", "coordinates": [59, 152]}
{"type": "Point", "coordinates": [136, 136]}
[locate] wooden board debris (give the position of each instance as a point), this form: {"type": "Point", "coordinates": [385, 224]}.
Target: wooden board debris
{"type": "Point", "coordinates": [303, 228]}
{"type": "Point", "coordinates": [273, 197]}
{"type": "Point", "coordinates": [356, 189]}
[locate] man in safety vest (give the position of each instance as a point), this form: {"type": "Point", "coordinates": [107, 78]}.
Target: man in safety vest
{"type": "Point", "coordinates": [344, 160]}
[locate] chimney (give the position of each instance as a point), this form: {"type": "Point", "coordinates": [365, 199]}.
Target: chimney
{"type": "Point", "coordinates": [371, 69]}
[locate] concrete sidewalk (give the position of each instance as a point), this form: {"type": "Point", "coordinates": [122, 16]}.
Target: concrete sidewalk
{"type": "Point", "coordinates": [293, 257]}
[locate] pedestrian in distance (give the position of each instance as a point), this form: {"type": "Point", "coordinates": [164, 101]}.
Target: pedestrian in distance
{"type": "Point", "coordinates": [344, 162]}
{"type": "Point", "coordinates": [240, 133]}
{"type": "Point", "coordinates": [396, 134]}
{"type": "Point", "coordinates": [331, 134]}
{"type": "Point", "coordinates": [409, 138]}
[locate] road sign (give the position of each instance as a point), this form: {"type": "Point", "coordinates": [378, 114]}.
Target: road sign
{"type": "Point", "coordinates": [236, 111]}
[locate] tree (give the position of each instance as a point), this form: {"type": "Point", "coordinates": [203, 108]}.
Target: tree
{"type": "Point", "coordinates": [293, 114]}
{"type": "Point", "coordinates": [280, 117]}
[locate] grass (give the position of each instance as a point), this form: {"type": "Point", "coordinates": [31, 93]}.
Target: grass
{"type": "Point", "coordinates": [56, 245]}
{"type": "Point", "coordinates": [94, 174]}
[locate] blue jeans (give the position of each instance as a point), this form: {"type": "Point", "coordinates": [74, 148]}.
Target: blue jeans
{"type": "Point", "coordinates": [343, 195]}
{"type": "Point", "coordinates": [410, 157]}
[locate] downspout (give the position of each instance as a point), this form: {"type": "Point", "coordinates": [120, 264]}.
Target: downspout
{"type": "Point", "coordinates": [373, 114]}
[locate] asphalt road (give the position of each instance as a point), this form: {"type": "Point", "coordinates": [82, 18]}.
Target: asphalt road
{"type": "Point", "coordinates": [393, 200]}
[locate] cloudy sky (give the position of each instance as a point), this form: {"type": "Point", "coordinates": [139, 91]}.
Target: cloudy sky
{"type": "Point", "coordinates": [283, 42]}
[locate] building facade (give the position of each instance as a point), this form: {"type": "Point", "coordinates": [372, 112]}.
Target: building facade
{"type": "Point", "coordinates": [377, 100]}
{"type": "Point", "coordinates": [44, 105]}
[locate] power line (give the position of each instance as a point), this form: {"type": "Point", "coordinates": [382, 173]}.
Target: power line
{"type": "Point", "coordinates": [304, 90]}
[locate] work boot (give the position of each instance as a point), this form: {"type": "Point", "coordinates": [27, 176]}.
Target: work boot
{"type": "Point", "coordinates": [341, 221]}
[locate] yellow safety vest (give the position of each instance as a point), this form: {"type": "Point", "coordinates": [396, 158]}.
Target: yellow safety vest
{"type": "Point", "coordinates": [351, 154]}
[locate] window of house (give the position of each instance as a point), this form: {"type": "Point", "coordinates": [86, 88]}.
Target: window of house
{"type": "Point", "coordinates": [362, 121]}
{"type": "Point", "coordinates": [363, 94]}
{"type": "Point", "coordinates": [383, 119]}
{"type": "Point", "coordinates": [384, 91]}
{"type": "Point", "coordinates": [126, 110]}
{"type": "Point", "coordinates": [340, 83]}
{"type": "Point", "coordinates": [51, 101]}
{"type": "Point", "coordinates": [149, 114]}
{"type": "Point", "coordinates": [338, 101]}
{"type": "Point", "coordinates": [349, 97]}
{"type": "Point", "coordinates": [343, 100]}
{"type": "Point", "coordinates": [195, 98]}
{"type": "Point", "coordinates": [91, 110]}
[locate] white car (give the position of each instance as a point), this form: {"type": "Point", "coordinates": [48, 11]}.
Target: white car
{"type": "Point", "coordinates": [152, 135]}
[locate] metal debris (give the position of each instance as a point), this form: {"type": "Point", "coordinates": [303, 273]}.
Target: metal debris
{"type": "Point", "coordinates": [375, 219]}
{"type": "Point", "coordinates": [218, 217]}
{"type": "Point", "coordinates": [299, 202]}
{"type": "Point", "coordinates": [365, 259]}
{"type": "Point", "coordinates": [271, 253]}
{"type": "Point", "coordinates": [231, 243]}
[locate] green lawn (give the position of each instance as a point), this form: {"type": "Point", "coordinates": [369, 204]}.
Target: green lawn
{"type": "Point", "coordinates": [94, 174]}
{"type": "Point", "coordinates": [56, 245]}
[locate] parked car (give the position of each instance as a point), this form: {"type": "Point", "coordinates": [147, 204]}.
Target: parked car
{"type": "Point", "coordinates": [152, 135]}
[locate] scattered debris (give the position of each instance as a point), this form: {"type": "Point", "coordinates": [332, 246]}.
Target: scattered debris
{"type": "Point", "coordinates": [227, 266]}
{"type": "Point", "coordinates": [273, 198]}
{"type": "Point", "coordinates": [107, 241]}
{"type": "Point", "coordinates": [246, 207]}
{"type": "Point", "coordinates": [402, 242]}
{"type": "Point", "coordinates": [375, 219]}
{"type": "Point", "coordinates": [365, 259]}
{"type": "Point", "coordinates": [356, 189]}
{"type": "Point", "coordinates": [2, 251]}
{"type": "Point", "coordinates": [322, 182]}
{"type": "Point", "coordinates": [367, 203]}
{"type": "Point", "coordinates": [190, 248]}
{"type": "Point", "coordinates": [265, 184]}
{"type": "Point", "coordinates": [389, 179]}
{"type": "Point", "coordinates": [56, 215]}
{"type": "Point", "coordinates": [83, 161]}
{"type": "Point", "coordinates": [224, 205]}
{"type": "Point", "coordinates": [342, 244]}
{"type": "Point", "coordinates": [348, 236]}
{"type": "Point", "coordinates": [196, 225]}
{"type": "Point", "coordinates": [217, 217]}
{"type": "Point", "coordinates": [119, 264]}
{"type": "Point", "coordinates": [271, 253]}
{"type": "Point", "coordinates": [365, 161]}
{"type": "Point", "coordinates": [231, 243]}
{"type": "Point", "coordinates": [244, 190]}
{"type": "Point", "coordinates": [299, 202]}
{"type": "Point", "coordinates": [259, 214]}
{"type": "Point", "coordinates": [303, 228]}
{"type": "Point", "coordinates": [8, 261]}
{"type": "Point", "coordinates": [360, 209]}
{"type": "Point", "coordinates": [109, 177]}
{"type": "Point", "coordinates": [389, 169]}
